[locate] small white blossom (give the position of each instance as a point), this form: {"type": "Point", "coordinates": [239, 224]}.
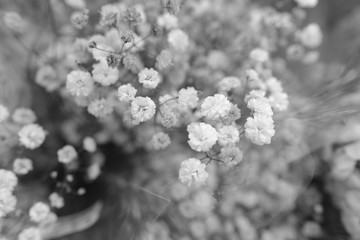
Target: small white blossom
{"type": "Point", "coordinates": [228, 135]}
{"type": "Point", "coordinates": [142, 109]}
{"type": "Point", "coordinates": [31, 136]}
{"type": "Point", "coordinates": [311, 35]}
{"type": "Point", "coordinates": [307, 3]}
{"type": "Point", "coordinates": [164, 59]}
{"type": "Point", "coordinates": [47, 77]}
{"type": "Point", "coordinates": [160, 141]}
{"type": "Point", "coordinates": [259, 55]}
{"type": "Point", "coordinates": [204, 203]}
{"type": "Point", "coordinates": [253, 80]}
{"type": "Point", "coordinates": [100, 108]}
{"type": "Point", "coordinates": [8, 180]}
{"type": "Point", "coordinates": [109, 15]}
{"type": "Point", "coordinates": [231, 156]}
{"type": "Point", "coordinates": [274, 85]}
{"type": "Point", "coordinates": [67, 154]}
{"type": "Point", "coordinates": [7, 203]}
{"type": "Point", "coordinates": [178, 40]}
{"type": "Point", "coordinates": [4, 113]}
{"type": "Point", "coordinates": [260, 105]}
{"type": "Point", "coordinates": [22, 166]}
{"type": "Point", "coordinates": [79, 83]}
{"type": "Point", "coordinates": [259, 129]}
{"type": "Point", "coordinates": [105, 75]}
{"type": "Point", "coordinates": [126, 93]}
{"type": "Point", "coordinates": [89, 144]}
{"type": "Point", "coordinates": [23, 116]}
{"type": "Point", "coordinates": [188, 97]}
{"type": "Point", "coordinates": [254, 94]}
{"type": "Point", "coordinates": [215, 107]}
{"type": "Point", "coordinates": [93, 171]}
{"type": "Point", "coordinates": [56, 200]}
{"type": "Point", "coordinates": [31, 233]}
{"type": "Point", "coordinates": [168, 21]}
{"type": "Point", "coordinates": [229, 83]}
{"type": "Point", "coordinates": [193, 173]}
{"type": "Point", "coordinates": [202, 136]}
{"type": "Point", "coordinates": [39, 212]}
{"type": "Point", "coordinates": [150, 78]}
{"type": "Point", "coordinates": [279, 101]}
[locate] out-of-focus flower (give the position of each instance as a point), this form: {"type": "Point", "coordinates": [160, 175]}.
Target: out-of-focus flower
{"type": "Point", "coordinates": [8, 180]}
{"type": "Point", "coordinates": [79, 4]}
{"type": "Point", "coordinates": [178, 40]}
{"type": "Point", "coordinates": [14, 22]}
{"type": "Point", "coordinates": [7, 202]}
{"type": "Point", "coordinates": [188, 97]}
{"type": "Point", "coordinates": [229, 83]}
{"type": "Point", "coordinates": [142, 108]}
{"type": "Point", "coordinates": [215, 107]}
{"type": "Point", "coordinates": [228, 135]}
{"type": "Point", "coordinates": [31, 233]}
{"type": "Point", "coordinates": [279, 101]}
{"type": "Point", "coordinates": [259, 129]}
{"type": "Point", "coordinates": [23, 116]}
{"type": "Point", "coordinates": [160, 141]}
{"type": "Point", "coordinates": [164, 59]}
{"type": "Point", "coordinates": [104, 74]}
{"type": "Point", "coordinates": [193, 173]}
{"type": "Point", "coordinates": [89, 144]}
{"type": "Point", "coordinates": [167, 21]}
{"type": "Point", "coordinates": [80, 19]}
{"type": "Point", "coordinates": [307, 3]}
{"type": "Point", "coordinates": [100, 108]}
{"type": "Point", "coordinates": [260, 105]}
{"type": "Point", "coordinates": [202, 136]}
{"type": "Point", "coordinates": [133, 16]}
{"type": "Point", "coordinates": [67, 154]}
{"type": "Point", "coordinates": [31, 136]}
{"type": "Point", "coordinates": [39, 212]}
{"type": "Point", "coordinates": [204, 203]}
{"type": "Point", "coordinates": [79, 83]}
{"type": "Point", "coordinates": [259, 55]}
{"type": "Point", "coordinates": [22, 166]}
{"type": "Point", "coordinates": [311, 36]}
{"type": "Point", "coordinates": [56, 200]}
{"type": "Point", "coordinates": [150, 78]}
{"type": "Point", "coordinates": [4, 113]}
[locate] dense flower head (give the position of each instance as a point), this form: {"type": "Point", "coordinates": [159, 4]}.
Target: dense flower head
{"type": "Point", "coordinates": [89, 144]}
{"type": "Point", "coordinates": [231, 156]}
{"type": "Point", "coordinates": [307, 3]}
{"type": "Point", "coordinates": [67, 154]}
{"type": "Point", "coordinates": [311, 35]}
{"type": "Point", "coordinates": [192, 173]}
{"type": "Point", "coordinates": [126, 93]}
{"type": "Point", "coordinates": [56, 200]}
{"type": "Point", "coordinates": [188, 97]}
{"type": "Point", "coordinates": [100, 108]}
{"type": "Point", "coordinates": [48, 78]}
{"type": "Point", "coordinates": [31, 233]}
{"type": "Point", "coordinates": [39, 212]}
{"type": "Point", "coordinates": [259, 129]}
{"type": "Point", "coordinates": [31, 136]}
{"type": "Point", "coordinates": [279, 101]}
{"type": "Point", "coordinates": [7, 203]}
{"type": "Point", "coordinates": [228, 135]}
{"type": "Point", "coordinates": [8, 180]}
{"type": "Point", "coordinates": [202, 136]}
{"type": "Point", "coordinates": [142, 108]}
{"type": "Point", "coordinates": [167, 21]}
{"type": "Point", "coordinates": [260, 105]}
{"type": "Point", "coordinates": [160, 141]}
{"type": "Point", "coordinates": [105, 75]}
{"type": "Point", "coordinates": [80, 18]}
{"type": "Point", "coordinates": [4, 113]}
{"type": "Point", "coordinates": [150, 78]}
{"type": "Point", "coordinates": [229, 83]}
{"type": "Point", "coordinates": [178, 40]}
{"type": "Point", "coordinates": [22, 166]}
{"type": "Point", "coordinates": [110, 15]}
{"type": "Point", "coordinates": [79, 83]}
{"type": "Point", "coordinates": [259, 55]}
{"type": "Point", "coordinates": [23, 116]}
{"type": "Point", "coordinates": [215, 107]}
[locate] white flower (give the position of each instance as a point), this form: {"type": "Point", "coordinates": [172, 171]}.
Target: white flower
{"type": "Point", "coordinates": [307, 3]}
{"type": "Point", "coordinates": [259, 55]}
{"type": "Point", "coordinates": [160, 141]}
{"type": "Point", "coordinates": [4, 113]}
{"type": "Point", "coordinates": [260, 105]}
{"type": "Point", "coordinates": [31, 233]}
{"type": "Point", "coordinates": [56, 200]}
{"type": "Point", "coordinates": [79, 83]}
{"type": "Point", "coordinates": [311, 35]}
{"type": "Point", "coordinates": [8, 180]}
{"type": "Point", "coordinates": [274, 85]}
{"type": "Point", "coordinates": [14, 21]}
{"type": "Point", "coordinates": [109, 15]}
{"type": "Point", "coordinates": [31, 136]}
{"type": "Point", "coordinates": [39, 212]}
{"type": "Point", "coordinates": [23, 116]}
{"type": "Point", "coordinates": [67, 154]}
{"type": "Point", "coordinates": [279, 101]}
{"type": "Point", "coordinates": [105, 75]}
{"type": "Point", "coordinates": [231, 156]}
{"type": "Point", "coordinates": [188, 97]}
{"type": "Point", "coordinates": [7, 203]}
{"type": "Point", "coordinates": [164, 59]}
{"type": "Point", "coordinates": [259, 129]}
{"type": "Point", "coordinates": [48, 78]}
{"type": "Point", "coordinates": [167, 21]}
{"type": "Point", "coordinates": [142, 109]}
{"type": "Point", "coordinates": [215, 107]}
{"type": "Point", "coordinates": [192, 173]}
{"type": "Point", "coordinates": [22, 166]}
{"type": "Point", "coordinates": [229, 83]}
{"type": "Point", "coordinates": [228, 135]}
{"type": "Point", "coordinates": [150, 78]}
{"type": "Point", "coordinates": [79, 4]}
{"type": "Point", "coordinates": [253, 79]}
{"type": "Point", "coordinates": [93, 171]}
{"type": "Point", "coordinates": [178, 40]}
{"type": "Point", "coordinates": [126, 93]}
{"type": "Point", "coordinates": [202, 136]}
{"type": "Point", "coordinates": [203, 202]}
{"type": "Point", "coordinates": [89, 144]}
{"type": "Point", "coordinates": [100, 108]}
{"type": "Point", "coordinates": [254, 94]}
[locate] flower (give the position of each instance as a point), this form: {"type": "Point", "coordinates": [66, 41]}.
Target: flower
{"type": "Point", "coordinates": [229, 83]}
{"type": "Point", "coordinates": [22, 166]}
{"type": "Point", "coordinates": [89, 144]}
{"type": "Point", "coordinates": [126, 93]}
{"type": "Point", "coordinates": [109, 15]}
{"type": "Point", "coordinates": [47, 77]}
{"type": "Point", "coordinates": [150, 78]}
{"type": "Point", "coordinates": [160, 141]}
{"type": "Point", "coordinates": [307, 3]}
{"type": "Point", "coordinates": [260, 105]}
{"type": "Point", "coordinates": [105, 75]}
{"type": "Point", "coordinates": [167, 21]}
{"type": "Point", "coordinates": [56, 200]}
{"type": "Point", "coordinates": [178, 40]}
{"type": "Point", "coordinates": [31, 136]}
{"type": "Point", "coordinates": [279, 101]}
{"type": "Point", "coordinates": [67, 154]}
{"type": "Point", "coordinates": [142, 109]}
{"type": "Point", "coordinates": [164, 59]}
{"type": "Point", "coordinates": [274, 85]}
{"type": "Point", "coordinates": [254, 94]}
{"type": "Point", "coordinates": [7, 203]}
{"type": "Point", "coordinates": [192, 173]}
{"type": "Point", "coordinates": [31, 233]}
{"type": "Point", "coordinates": [259, 55]}
{"type": "Point", "coordinates": [228, 135]}
{"type": "Point", "coordinates": [39, 212]}
{"type": "Point", "coordinates": [311, 35]}
{"type": "Point", "coordinates": [203, 202]}
{"type": "Point", "coordinates": [79, 83]}
{"type": "Point", "coordinates": [80, 18]}
{"type": "Point", "coordinates": [253, 79]}
{"type": "Point", "coordinates": [188, 97]}
{"type": "Point", "coordinates": [231, 156]}
{"type": "Point", "coordinates": [215, 107]}
{"type": "Point", "coordinates": [8, 180]}
{"type": "Point", "coordinates": [202, 136]}
{"type": "Point", "coordinates": [23, 116]}
{"type": "Point", "coordinates": [259, 129]}
{"type": "Point", "coordinates": [79, 4]}
{"type": "Point", "coordinates": [100, 108]}
{"type": "Point", "coordinates": [4, 113]}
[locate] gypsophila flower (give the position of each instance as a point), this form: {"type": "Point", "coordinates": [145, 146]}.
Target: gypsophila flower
{"type": "Point", "coordinates": [150, 78]}
{"type": "Point", "coordinates": [104, 74]}
{"type": "Point", "coordinates": [168, 119]}
{"type": "Point", "coordinates": [274, 85]}
{"type": "Point", "coordinates": [113, 60]}
{"type": "Point", "coordinates": [22, 166]}
{"type": "Point", "coordinates": [56, 200]}
{"type": "Point", "coordinates": [89, 144]}
{"type": "Point", "coordinates": [14, 21]}
{"type": "Point", "coordinates": [279, 101]}
{"type": "Point", "coordinates": [192, 173]}
{"type": "Point", "coordinates": [229, 83]}
{"type": "Point", "coordinates": [215, 107]}
{"type": "Point", "coordinates": [231, 156]}
{"type": "Point", "coordinates": [254, 94]}
{"type": "Point", "coordinates": [172, 6]}
{"type": "Point", "coordinates": [204, 203]}
{"type": "Point", "coordinates": [31, 136]}
{"type": "Point", "coordinates": [67, 154]}
{"type": "Point", "coordinates": [234, 114]}
{"type": "Point", "coordinates": [259, 55]}
{"type": "Point", "coordinates": [23, 116]}
{"type": "Point", "coordinates": [188, 97]}
{"type": "Point", "coordinates": [8, 180]}
{"type": "Point", "coordinates": [47, 78]}
{"type": "Point", "coordinates": [178, 40]}
{"type": "Point", "coordinates": [253, 79]}
{"type": "Point", "coordinates": [132, 16]}
{"type": "Point", "coordinates": [167, 21]}
{"type": "Point", "coordinates": [307, 3]}
{"type": "Point", "coordinates": [164, 59]}
{"type": "Point", "coordinates": [202, 136]}
{"type": "Point", "coordinates": [7, 203]}
{"type": "Point", "coordinates": [31, 233]}
{"type": "Point", "coordinates": [39, 212]}
{"type": "Point", "coordinates": [100, 108]}
{"type": "Point", "coordinates": [127, 37]}
{"type": "Point", "coordinates": [126, 93]}
{"type": "Point", "coordinates": [160, 141]}
{"type": "Point", "coordinates": [93, 171]}
{"type": "Point", "coordinates": [142, 109]}
{"type": "Point", "coordinates": [109, 15]}
{"type": "Point", "coordinates": [4, 113]}
{"type": "Point", "coordinates": [228, 135]}
{"type": "Point", "coordinates": [80, 19]}
{"type": "Point", "coordinates": [79, 83]}
{"type": "Point", "coordinates": [311, 35]}
{"type": "Point", "coordinates": [259, 129]}
{"type": "Point", "coordinates": [260, 105]}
